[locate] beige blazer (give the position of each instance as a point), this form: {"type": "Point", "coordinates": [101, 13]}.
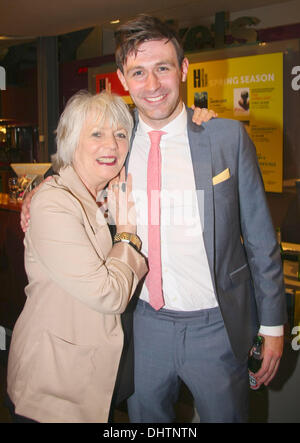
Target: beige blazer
{"type": "Point", "coordinates": [67, 342]}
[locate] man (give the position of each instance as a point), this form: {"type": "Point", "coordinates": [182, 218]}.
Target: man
{"type": "Point", "coordinates": [219, 286]}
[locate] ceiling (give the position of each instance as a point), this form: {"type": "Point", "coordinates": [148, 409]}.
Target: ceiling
{"type": "Point", "coordinates": [33, 18]}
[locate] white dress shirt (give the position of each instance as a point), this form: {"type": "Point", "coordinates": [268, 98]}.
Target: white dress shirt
{"type": "Point", "coordinates": [186, 279]}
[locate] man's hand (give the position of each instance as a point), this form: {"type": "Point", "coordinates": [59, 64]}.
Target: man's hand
{"type": "Point", "coordinates": [202, 115]}
{"type": "Point", "coordinates": [25, 212]}
{"type": "Point", "coordinates": [272, 352]}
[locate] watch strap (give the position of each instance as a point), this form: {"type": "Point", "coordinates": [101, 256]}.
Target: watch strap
{"type": "Point", "coordinates": [127, 237]}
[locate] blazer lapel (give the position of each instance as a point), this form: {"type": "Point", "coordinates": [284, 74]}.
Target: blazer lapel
{"type": "Point", "coordinates": [202, 165]}
{"type": "Point", "coordinates": [100, 236]}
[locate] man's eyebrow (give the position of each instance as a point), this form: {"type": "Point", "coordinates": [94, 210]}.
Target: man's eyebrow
{"type": "Point", "coordinates": [160, 63]}
{"type": "Point", "coordinates": [135, 68]}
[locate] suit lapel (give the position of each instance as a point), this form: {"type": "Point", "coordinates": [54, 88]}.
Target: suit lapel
{"type": "Point", "coordinates": [202, 165]}
{"type": "Point", "coordinates": [136, 122]}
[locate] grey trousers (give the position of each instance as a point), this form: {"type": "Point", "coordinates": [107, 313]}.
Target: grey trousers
{"type": "Point", "coordinates": [193, 347]}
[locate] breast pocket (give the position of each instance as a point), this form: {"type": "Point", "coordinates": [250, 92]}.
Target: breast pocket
{"type": "Point", "coordinates": [226, 204]}
{"type": "Point", "coordinates": [224, 185]}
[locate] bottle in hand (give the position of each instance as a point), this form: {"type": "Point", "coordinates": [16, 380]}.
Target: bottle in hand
{"type": "Point", "coordinates": [255, 361]}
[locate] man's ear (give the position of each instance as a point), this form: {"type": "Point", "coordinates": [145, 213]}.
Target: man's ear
{"type": "Point", "coordinates": [184, 69]}
{"type": "Point", "coordinates": [122, 79]}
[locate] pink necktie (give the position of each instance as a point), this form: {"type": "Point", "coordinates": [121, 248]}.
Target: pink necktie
{"type": "Point", "coordinates": [154, 277]}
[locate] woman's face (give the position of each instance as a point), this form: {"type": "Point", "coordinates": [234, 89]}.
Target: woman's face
{"type": "Point", "coordinates": [100, 154]}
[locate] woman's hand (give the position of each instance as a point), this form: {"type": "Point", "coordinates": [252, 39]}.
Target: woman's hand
{"type": "Point", "coordinates": [120, 203]}
{"type": "Point", "coordinates": [202, 115]}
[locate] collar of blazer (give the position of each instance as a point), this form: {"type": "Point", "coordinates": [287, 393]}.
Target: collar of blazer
{"type": "Point", "coordinates": [69, 180]}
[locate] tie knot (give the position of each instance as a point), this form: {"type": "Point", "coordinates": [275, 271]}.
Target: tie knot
{"type": "Point", "coordinates": [155, 136]}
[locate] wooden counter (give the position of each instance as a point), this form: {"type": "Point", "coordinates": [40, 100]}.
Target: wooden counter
{"type": "Point", "coordinates": [16, 207]}
{"type": "Point", "coordinates": [13, 278]}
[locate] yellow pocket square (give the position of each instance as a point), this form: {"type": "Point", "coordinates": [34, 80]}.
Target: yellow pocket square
{"type": "Point", "coordinates": [224, 175]}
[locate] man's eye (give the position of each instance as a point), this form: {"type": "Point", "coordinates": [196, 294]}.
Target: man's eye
{"type": "Point", "coordinates": [96, 134]}
{"type": "Point", "coordinates": [163, 68]}
{"type": "Point", "coordinates": [137, 73]}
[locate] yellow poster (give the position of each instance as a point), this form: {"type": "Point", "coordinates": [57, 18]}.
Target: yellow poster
{"type": "Point", "coordinates": [248, 89]}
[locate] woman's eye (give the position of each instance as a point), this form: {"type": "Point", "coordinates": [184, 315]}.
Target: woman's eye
{"type": "Point", "coordinates": [120, 135]}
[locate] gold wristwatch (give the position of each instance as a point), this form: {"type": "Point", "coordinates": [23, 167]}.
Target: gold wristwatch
{"type": "Point", "coordinates": [126, 237]}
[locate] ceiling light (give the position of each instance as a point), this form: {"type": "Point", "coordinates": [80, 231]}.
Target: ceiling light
{"type": "Point", "coordinates": [114, 22]}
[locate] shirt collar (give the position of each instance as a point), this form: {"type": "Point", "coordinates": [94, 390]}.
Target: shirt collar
{"type": "Point", "coordinates": [175, 127]}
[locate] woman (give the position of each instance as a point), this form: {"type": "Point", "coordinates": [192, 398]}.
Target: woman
{"type": "Point", "coordinates": [67, 342]}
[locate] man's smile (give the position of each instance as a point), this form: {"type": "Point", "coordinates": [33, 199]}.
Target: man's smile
{"type": "Point", "coordinates": [155, 99]}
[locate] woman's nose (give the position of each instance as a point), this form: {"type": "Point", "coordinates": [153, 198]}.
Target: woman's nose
{"type": "Point", "coordinates": [111, 142]}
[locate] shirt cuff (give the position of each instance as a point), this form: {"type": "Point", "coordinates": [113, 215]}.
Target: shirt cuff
{"type": "Point", "coordinates": [274, 331]}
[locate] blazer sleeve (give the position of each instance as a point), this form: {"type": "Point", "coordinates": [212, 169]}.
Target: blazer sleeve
{"type": "Point", "coordinates": [57, 239]}
{"type": "Point", "coordinates": [259, 237]}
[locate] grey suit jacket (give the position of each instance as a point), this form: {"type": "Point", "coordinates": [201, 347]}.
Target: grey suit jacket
{"type": "Point", "coordinates": [239, 237]}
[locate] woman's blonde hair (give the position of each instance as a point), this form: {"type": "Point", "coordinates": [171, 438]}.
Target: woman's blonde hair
{"type": "Point", "coordinates": [103, 106]}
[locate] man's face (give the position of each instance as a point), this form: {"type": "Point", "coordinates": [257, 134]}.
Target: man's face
{"type": "Point", "coordinates": [153, 78]}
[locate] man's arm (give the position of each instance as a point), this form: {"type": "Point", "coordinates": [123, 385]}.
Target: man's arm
{"type": "Point", "coordinates": [263, 257]}
{"type": "Point", "coordinates": [25, 212]}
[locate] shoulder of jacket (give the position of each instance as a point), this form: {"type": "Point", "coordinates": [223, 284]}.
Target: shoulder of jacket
{"type": "Point", "coordinates": [225, 124]}
{"type": "Point", "coordinates": [217, 123]}
{"type": "Point", "coordinates": [51, 193]}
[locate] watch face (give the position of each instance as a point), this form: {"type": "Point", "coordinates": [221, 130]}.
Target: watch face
{"type": "Point", "coordinates": [130, 238]}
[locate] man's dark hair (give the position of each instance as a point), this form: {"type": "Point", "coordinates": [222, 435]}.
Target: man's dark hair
{"type": "Point", "coordinates": [142, 28]}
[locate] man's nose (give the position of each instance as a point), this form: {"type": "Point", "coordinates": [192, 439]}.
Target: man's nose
{"type": "Point", "coordinates": [153, 82]}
